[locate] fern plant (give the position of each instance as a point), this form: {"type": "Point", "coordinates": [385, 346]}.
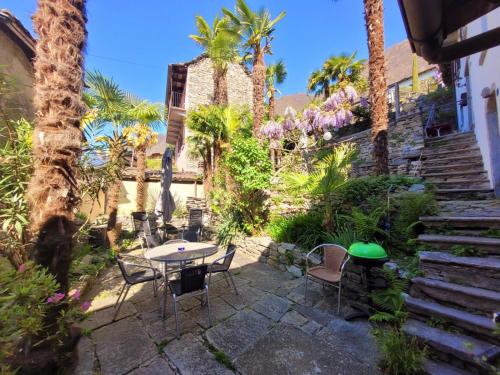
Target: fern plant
{"type": "Point", "coordinates": [366, 225]}
{"type": "Point", "coordinates": [390, 300]}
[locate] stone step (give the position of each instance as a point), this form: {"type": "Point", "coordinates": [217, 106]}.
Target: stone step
{"type": "Point", "coordinates": [462, 184]}
{"type": "Point", "coordinates": [440, 368]}
{"type": "Point", "coordinates": [478, 353]}
{"type": "Point", "coordinates": [465, 194]}
{"type": "Point", "coordinates": [490, 207]}
{"type": "Point", "coordinates": [477, 325]}
{"type": "Point", "coordinates": [455, 174]}
{"type": "Point", "coordinates": [467, 151]}
{"type": "Point", "coordinates": [465, 166]}
{"type": "Point", "coordinates": [450, 138]}
{"type": "Point", "coordinates": [452, 160]}
{"type": "Point", "coordinates": [479, 272]}
{"type": "Point", "coordinates": [451, 145]}
{"type": "Point", "coordinates": [486, 244]}
{"type": "Point", "coordinates": [468, 222]}
{"type": "Point", "coordinates": [484, 301]}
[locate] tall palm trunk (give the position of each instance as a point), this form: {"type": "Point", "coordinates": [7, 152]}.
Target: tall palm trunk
{"type": "Point", "coordinates": [220, 85]}
{"type": "Point", "coordinates": [374, 21]}
{"type": "Point", "coordinates": [272, 104]}
{"type": "Point", "coordinates": [53, 191]}
{"type": "Point", "coordinates": [207, 170]}
{"type": "Point", "coordinates": [258, 80]}
{"type": "Point", "coordinates": [140, 177]}
{"type": "Point", "coordinates": [113, 230]}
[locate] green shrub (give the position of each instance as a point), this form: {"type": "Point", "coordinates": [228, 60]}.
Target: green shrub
{"type": "Point", "coordinates": [367, 226]}
{"type": "Point", "coordinates": [345, 236]}
{"type": "Point", "coordinates": [401, 355]}
{"type": "Point", "coordinates": [304, 229]}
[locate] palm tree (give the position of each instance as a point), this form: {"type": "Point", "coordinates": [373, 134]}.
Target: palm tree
{"type": "Point", "coordinates": [374, 22]}
{"type": "Point", "coordinates": [112, 107]}
{"type": "Point", "coordinates": [53, 190]}
{"type": "Point", "coordinates": [147, 117]}
{"type": "Point", "coordinates": [221, 45]}
{"type": "Point", "coordinates": [257, 29]}
{"type": "Point", "coordinates": [275, 75]}
{"type": "Point", "coordinates": [336, 72]}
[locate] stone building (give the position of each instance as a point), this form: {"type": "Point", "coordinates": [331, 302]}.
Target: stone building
{"type": "Point", "coordinates": [17, 51]}
{"type": "Point", "coordinates": [190, 85]}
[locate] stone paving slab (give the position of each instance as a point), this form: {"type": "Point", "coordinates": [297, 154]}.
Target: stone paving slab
{"type": "Point", "coordinates": [354, 337]}
{"type": "Point", "coordinates": [294, 318]}
{"type": "Point", "coordinates": [191, 357]}
{"type": "Point", "coordinates": [288, 350]}
{"type": "Point", "coordinates": [272, 306]}
{"type": "Point", "coordinates": [220, 310]}
{"type": "Point", "coordinates": [156, 366]}
{"type": "Point", "coordinates": [122, 346]}
{"type": "Point", "coordinates": [246, 296]}
{"type": "Point", "coordinates": [104, 317]}
{"type": "Point", "coordinates": [86, 357]}
{"type": "Point", "coordinates": [234, 335]}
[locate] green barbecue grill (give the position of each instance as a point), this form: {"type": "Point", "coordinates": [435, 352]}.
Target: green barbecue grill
{"type": "Point", "coordinates": [368, 254]}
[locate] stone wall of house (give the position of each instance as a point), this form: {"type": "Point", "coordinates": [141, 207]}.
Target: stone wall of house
{"type": "Point", "coordinates": [406, 141]}
{"type": "Point", "coordinates": [200, 85]}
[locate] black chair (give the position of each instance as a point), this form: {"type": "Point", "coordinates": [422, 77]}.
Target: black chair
{"type": "Point", "coordinates": [190, 284]}
{"type": "Point", "coordinates": [195, 217]}
{"type": "Point", "coordinates": [192, 234]}
{"type": "Point", "coordinates": [135, 270]}
{"type": "Point", "coordinates": [218, 267]}
{"type": "Point", "coordinates": [142, 230]}
{"type": "Point", "coordinates": [169, 231]}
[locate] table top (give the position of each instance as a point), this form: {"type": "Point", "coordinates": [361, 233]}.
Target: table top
{"type": "Point", "coordinates": [171, 253]}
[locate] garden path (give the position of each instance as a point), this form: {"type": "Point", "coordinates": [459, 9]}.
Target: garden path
{"type": "Point", "coordinates": [266, 329]}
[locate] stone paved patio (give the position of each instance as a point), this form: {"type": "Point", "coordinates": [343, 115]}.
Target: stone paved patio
{"type": "Point", "coordinates": [266, 329]}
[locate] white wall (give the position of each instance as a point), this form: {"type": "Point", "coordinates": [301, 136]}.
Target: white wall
{"type": "Point", "coordinates": [484, 71]}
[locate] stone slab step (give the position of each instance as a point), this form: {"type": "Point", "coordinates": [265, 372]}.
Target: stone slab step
{"type": "Point", "coordinates": [450, 138]}
{"type": "Point", "coordinates": [475, 324]}
{"type": "Point", "coordinates": [469, 222]}
{"type": "Point", "coordinates": [465, 348]}
{"type": "Point", "coordinates": [451, 145]}
{"type": "Point", "coordinates": [440, 368]}
{"type": "Point", "coordinates": [466, 166]}
{"type": "Point", "coordinates": [465, 194]}
{"type": "Point", "coordinates": [489, 207]}
{"type": "Point", "coordinates": [461, 182]}
{"type": "Point", "coordinates": [452, 160]}
{"type": "Point", "coordinates": [437, 153]}
{"type": "Point", "coordinates": [445, 175]}
{"type": "Point", "coordinates": [480, 272]}
{"type": "Point", "coordinates": [484, 300]}
{"type": "Point", "coordinates": [488, 244]}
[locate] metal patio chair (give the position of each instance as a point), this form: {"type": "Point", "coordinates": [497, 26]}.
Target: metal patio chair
{"type": "Point", "coordinates": [135, 270]}
{"type": "Point", "coordinates": [330, 270]}
{"type": "Point", "coordinates": [142, 230]}
{"type": "Point", "coordinates": [191, 283]}
{"type": "Point", "coordinates": [218, 267]}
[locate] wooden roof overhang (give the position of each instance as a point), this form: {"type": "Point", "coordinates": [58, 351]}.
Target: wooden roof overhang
{"type": "Point", "coordinates": [430, 25]}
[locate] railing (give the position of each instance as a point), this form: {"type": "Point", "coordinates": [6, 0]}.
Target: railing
{"type": "Point", "coordinates": [177, 99]}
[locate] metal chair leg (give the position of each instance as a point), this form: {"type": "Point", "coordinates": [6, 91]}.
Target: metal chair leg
{"type": "Point", "coordinates": [119, 296]}
{"type": "Point", "coordinates": [305, 291]}
{"type": "Point", "coordinates": [208, 305]}
{"type": "Point", "coordinates": [155, 288]}
{"type": "Point", "coordinates": [225, 278]}
{"type": "Point", "coordinates": [232, 281]}
{"type": "Point", "coordinates": [121, 303]}
{"type": "Point", "coordinates": [338, 301]}
{"type": "Point", "coordinates": [176, 317]}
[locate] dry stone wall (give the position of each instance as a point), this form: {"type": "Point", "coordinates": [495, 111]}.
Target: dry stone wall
{"type": "Point", "coordinates": [200, 85]}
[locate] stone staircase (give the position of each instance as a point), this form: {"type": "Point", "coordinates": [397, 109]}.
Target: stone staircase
{"type": "Point", "coordinates": [451, 304]}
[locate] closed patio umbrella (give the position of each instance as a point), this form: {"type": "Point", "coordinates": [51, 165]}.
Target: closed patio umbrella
{"type": "Point", "coordinates": [165, 205]}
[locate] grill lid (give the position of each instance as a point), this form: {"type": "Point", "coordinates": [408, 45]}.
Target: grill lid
{"type": "Point", "coordinates": [367, 250]}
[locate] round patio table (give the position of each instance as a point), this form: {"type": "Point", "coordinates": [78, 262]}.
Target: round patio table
{"type": "Point", "coordinates": [170, 254]}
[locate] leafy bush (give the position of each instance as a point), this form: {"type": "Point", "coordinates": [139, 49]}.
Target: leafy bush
{"type": "Point", "coordinates": [366, 226]}
{"type": "Point", "coordinates": [304, 229]}
{"type": "Point", "coordinates": [401, 355]}
{"type": "Point", "coordinates": [345, 236]}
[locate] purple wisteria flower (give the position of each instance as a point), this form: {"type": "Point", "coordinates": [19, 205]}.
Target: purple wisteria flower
{"type": "Point", "coordinates": [363, 102]}
{"type": "Point", "coordinates": [75, 294]}
{"type": "Point", "coordinates": [55, 298]}
{"type": "Point", "coordinates": [350, 93]}
{"type": "Point", "coordinates": [272, 130]}
{"type": "Point", "coordinates": [85, 306]}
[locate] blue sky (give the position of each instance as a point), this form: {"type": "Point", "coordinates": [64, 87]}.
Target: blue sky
{"type": "Point", "coordinates": [134, 41]}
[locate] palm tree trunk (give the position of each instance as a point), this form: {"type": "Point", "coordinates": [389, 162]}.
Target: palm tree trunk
{"type": "Point", "coordinates": [220, 86]}
{"type": "Point", "coordinates": [140, 177]}
{"type": "Point", "coordinates": [207, 171]}
{"type": "Point", "coordinates": [258, 80]}
{"type": "Point", "coordinates": [374, 22]}
{"type": "Point", "coordinates": [113, 230]}
{"type": "Point", "coordinates": [272, 104]}
{"type": "Point", "coordinates": [53, 191]}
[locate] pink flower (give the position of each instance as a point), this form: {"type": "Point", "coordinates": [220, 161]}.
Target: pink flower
{"type": "Point", "coordinates": [75, 294]}
{"type": "Point", "coordinates": [85, 306]}
{"type": "Point", "coordinates": [55, 298]}
{"type": "Point", "coordinates": [21, 268]}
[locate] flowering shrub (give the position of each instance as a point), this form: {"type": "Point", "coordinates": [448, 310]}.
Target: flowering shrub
{"type": "Point", "coordinates": [333, 114]}
{"type": "Point", "coordinates": [28, 296]}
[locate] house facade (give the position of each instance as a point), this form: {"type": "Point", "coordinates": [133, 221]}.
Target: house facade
{"type": "Point", "coordinates": [477, 84]}
{"type": "Point", "coordinates": [190, 85]}
{"type": "Point", "coordinates": [17, 51]}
